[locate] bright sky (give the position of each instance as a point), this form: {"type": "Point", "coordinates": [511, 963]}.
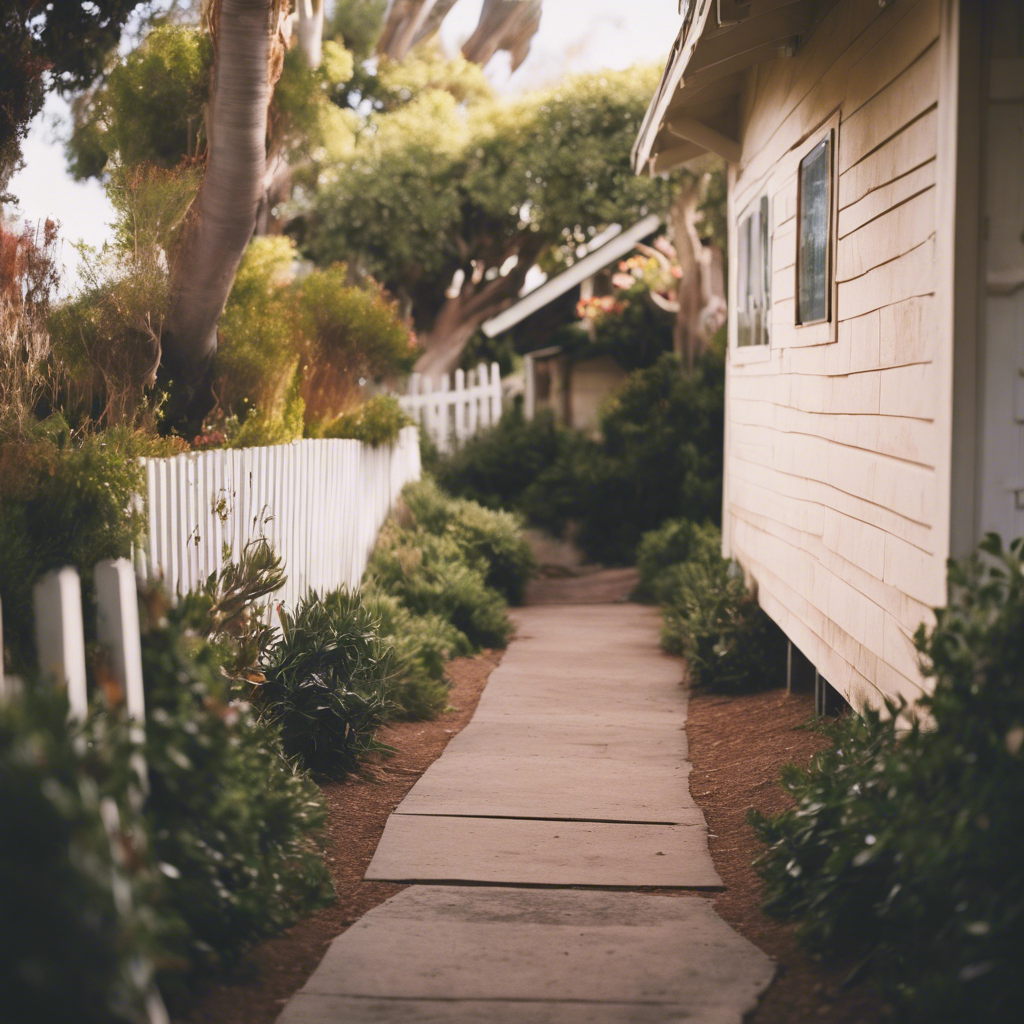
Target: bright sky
{"type": "Point", "coordinates": [575, 35]}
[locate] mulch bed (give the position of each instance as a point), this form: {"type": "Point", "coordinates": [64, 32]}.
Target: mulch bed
{"type": "Point", "coordinates": [738, 744]}
{"type": "Point", "coordinates": [357, 812]}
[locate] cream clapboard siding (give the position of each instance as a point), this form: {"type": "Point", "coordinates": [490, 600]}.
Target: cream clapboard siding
{"type": "Point", "coordinates": [836, 449]}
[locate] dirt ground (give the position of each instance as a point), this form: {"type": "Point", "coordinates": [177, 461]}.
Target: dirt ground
{"type": "Point", "coordinates": [738, 744]}
{"type": "Point", "coordinates": [357, 811]}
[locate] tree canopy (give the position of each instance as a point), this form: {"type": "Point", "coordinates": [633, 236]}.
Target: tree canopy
{"type": "Point", "coordinates": [50, 45]}
{"type": "Point", "coordinates": [449, 204]}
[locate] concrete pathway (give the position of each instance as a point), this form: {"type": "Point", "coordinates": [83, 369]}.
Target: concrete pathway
{"type": "Point", "coordinates": [571, 780]}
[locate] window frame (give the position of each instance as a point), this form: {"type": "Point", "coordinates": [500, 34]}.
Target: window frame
{"type": "Point", "coordinates": [761, 205]}
{"type": "Point", "coordinates": [822, 331]}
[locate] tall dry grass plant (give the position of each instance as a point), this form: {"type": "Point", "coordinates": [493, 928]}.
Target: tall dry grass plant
{"type": "Point", "coordinates": [29, 278]}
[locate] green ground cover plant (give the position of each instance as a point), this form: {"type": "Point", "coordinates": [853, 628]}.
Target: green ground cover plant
{"type": "Point", "coordinates": [710, 616]}
{"type": "Point", "coordinates": [326, 682]}
{"type": "Point", "coordinates": [904, 849]}
{"type": "Point", "coordinates": [233, 823]}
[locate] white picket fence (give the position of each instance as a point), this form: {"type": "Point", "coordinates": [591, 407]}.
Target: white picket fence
{"type": "Point", "coordinates": [319, 503]}
{"type": "Point", "coordinates": [450, 411]}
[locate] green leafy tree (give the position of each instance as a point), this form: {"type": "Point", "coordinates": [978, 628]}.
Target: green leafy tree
{"type": "Point", "coordinates": [450, 204]}
{"type": "Point", "coordinates": [149, 109]}
{"type": "Point", "coordinates": [61, 45]}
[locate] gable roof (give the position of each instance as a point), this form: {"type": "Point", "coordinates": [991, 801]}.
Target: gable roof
{"type": "Point", "coordinates": [614, 249]}
{"type": "Point", "coordinates": [696, 107]}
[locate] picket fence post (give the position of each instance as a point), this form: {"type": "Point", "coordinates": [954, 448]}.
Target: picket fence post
{"type": "Point", "coordinates": [117, 628]}
{"type": "Point", "coordinates": [60, 636]}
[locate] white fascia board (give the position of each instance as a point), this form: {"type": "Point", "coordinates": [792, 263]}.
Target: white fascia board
{"type": "Point", "coordinates": [586, 267]}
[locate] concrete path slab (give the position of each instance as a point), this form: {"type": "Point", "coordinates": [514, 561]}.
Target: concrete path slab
{"type": "Point", "coordinates": [573, 736]}
{"type": "Point", "coordinates": [429, 848]}
{"type": "Point", "coordinates": [570, 787]}
{"type": "Point", "coordinates": [315, 1009]}
{"type": "Point", "coordinates": [657, 955]}
{"type": "Point", "coordinates": [610, 685]}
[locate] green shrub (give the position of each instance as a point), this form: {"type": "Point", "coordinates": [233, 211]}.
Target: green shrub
{"type": "Point", "coordinates": [326, 682]}
{"type": "Point", "coordinates": [232, 823]}
{"type": "Point", "coordinates": [663, 433]}
{"type": "Point", "coordinates": [257, 376]}
{"type": "Point", "coordinates": [377, 421]}
{"type": "Point", "coordinates": [904, 848]}
{"type": "Point", "coordinates": [422, 645]}
{"type": "Point", "coordinates": [351, 332]}
{"type": "Point", "coordinates": [64, 501]}
{"type": "Point", "coordinates": [496, 466]}
{"type": "Point", "coordinates": [430, 575]}
{"type": "Point", "coordinates": [73, 949]}
{"type": "Point", "coordinates": [660, 550]}
{"type": "Point", "coordinates": [486, 536]}
{"type": "Point", "coordinates": [660, 456]}
{"type": "Point", "coordinates": [712, 619]}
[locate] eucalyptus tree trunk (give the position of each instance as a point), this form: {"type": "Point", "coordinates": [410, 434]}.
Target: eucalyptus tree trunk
{"type": "Point", "coordinates": [465, 310]}
{"type": "Point", "coordinates": [309, 30]}
{"type": "Point", "coordinates": [408, 23]}
{"type": "Point", "coordinates": [504, 25]}
{"type": "Point", "coordinates": [701, 295]}
{"type": "Point", "coordinates": [246, 36]}
{"type": "Point", "coordinates": [508, 25]}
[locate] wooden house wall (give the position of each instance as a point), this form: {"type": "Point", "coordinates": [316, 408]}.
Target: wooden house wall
{"type": "Point", "coordinates": [837, 436]}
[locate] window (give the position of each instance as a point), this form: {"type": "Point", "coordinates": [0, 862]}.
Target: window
{"type": "Point", "coordinates": [814, 235]}
{"type": "Point", "coordinates": [754, 291]}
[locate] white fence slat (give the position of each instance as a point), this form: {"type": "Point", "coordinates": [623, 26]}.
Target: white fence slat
{"type": "Point", "coordinates": [3, 681]}
{"type": "Point", "coordinates": [117, 627]}
{"type": "Point", "coordinates": [482, 400]}
{"type": "Point", "coordinates": [460, 406]}
{"type": "Point", "coordinates": [60, 637]}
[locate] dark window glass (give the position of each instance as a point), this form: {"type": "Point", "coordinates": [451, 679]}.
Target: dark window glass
{"type": "Point", "coordinates": [766, 268]}
{"type": "Point", "coordinates": [815, 224]}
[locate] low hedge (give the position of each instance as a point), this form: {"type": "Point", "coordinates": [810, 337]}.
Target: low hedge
{"type": "Point", "coordinates": [105, 885]}
{"type": "Point", "coordinates": [233, 823]}
{"type": "Point", "coordinates": [379, 420]}
{"type": "Point", "coordinates": [903, 849]}
{"type": "Point", "coordinates": [492, 538]}
{"type": "Point", "coordinates": [710, 616]}
{"type": "Point", "coordinates": [439, 578]}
